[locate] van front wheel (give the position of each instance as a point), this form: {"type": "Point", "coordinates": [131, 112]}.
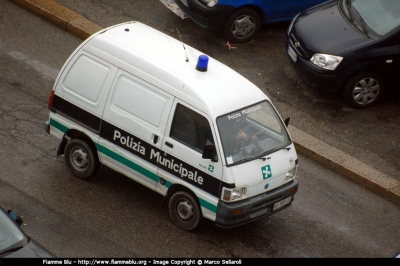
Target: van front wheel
{"type": "Point", "coordinates": [184, 210]}
{"type": "Point", "coordinates": [81, 159]}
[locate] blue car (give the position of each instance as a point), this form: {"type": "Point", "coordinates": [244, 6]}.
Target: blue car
{"type": "Point", "coordinates": [240, 20]}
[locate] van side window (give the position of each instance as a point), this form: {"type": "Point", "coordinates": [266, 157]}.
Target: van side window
{"type": "Point", "coordinates": [191, 128]}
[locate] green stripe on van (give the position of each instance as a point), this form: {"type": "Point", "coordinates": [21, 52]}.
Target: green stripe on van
{"type": "Point", "coordinates": [207, 205]}
{"type": "Point", "coordinates": [132, 165]}
{"type": "Point", "coordinates": [127, 162]}
{"type": "Point", "coordinates": [57, 125]}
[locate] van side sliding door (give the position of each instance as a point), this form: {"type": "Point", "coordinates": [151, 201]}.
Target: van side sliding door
{"type": "Point", "coordinates": [133, 125]}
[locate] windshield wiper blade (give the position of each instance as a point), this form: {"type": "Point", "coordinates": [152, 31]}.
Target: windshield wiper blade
{"type": "Point", "coordinates": [261, 156]}
{"type": "Point", "coordinates": [11, 250]}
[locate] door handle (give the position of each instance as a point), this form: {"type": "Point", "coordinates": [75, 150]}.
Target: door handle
{"type": "Point", "coordinates": [155, 139]}
{"type": "Point", "coordinates": [169, 144]}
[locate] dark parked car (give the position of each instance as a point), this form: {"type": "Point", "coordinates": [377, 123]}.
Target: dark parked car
{"type": "Point", "coordinates": [240, 20]}
{"type": "Point", "coordinates": [348, 46]}
{"type": "Point", "coordinates": [14, 243]}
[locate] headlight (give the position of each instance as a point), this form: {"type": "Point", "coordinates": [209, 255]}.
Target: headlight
{"type": "Point", "coordinates": [326, 61]}
{"type": "Point", "coordinates": [210, 3]}
{"type": "Point", "coordinates": [229, 194]}
{"type": "Point", "coordinates": [291, 174]}
{"type": "Point", "coordinates": [292, 23]}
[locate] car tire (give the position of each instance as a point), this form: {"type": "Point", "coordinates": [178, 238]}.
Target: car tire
{"type": "Point", "coordinates": [363, 90]}
{"type": "Point", "coordinates": [242, 25]}
{"type": "Point", "coordinates": [184, 211]}
{"type": "Point", "coordinates": [81, 158]}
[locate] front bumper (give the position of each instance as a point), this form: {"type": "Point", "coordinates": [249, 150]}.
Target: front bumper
{"type": "Point", "coordinates": [212, 18]}
{"type": "Point", "coordinates": [320, 79]}
{"type": "Point", "coordinates": [255, 207]}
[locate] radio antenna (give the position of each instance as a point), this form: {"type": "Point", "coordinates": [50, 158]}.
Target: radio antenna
{"type": "Point", "coordinates": [187, 58]}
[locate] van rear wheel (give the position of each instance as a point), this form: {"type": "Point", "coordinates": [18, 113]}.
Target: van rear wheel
{"type": "Point", "coordinates": [184, 210]}
{"type": "Point", "coordinates": [81, 158]}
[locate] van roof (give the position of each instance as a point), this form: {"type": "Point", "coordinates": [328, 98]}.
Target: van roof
{"type": "Point", "coordinates": [143, 51]}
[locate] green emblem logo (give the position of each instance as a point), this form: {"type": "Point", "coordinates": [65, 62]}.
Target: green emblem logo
{"type": "Point", "coordinates": [211, 168]}
{"type": "Point", "coordinates": [266, 171]}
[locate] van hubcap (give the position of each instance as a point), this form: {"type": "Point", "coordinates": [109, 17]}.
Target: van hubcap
{"type": "Point", "coordinates": [80, 159]}
{"type": "Point", "coordinates": [185, 210]}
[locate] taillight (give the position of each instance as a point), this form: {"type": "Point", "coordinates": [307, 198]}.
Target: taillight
{"type": "Point", "coordinates": [50, 103]}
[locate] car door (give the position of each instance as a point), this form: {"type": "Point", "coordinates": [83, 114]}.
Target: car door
{"type": "Point", "coordinates": [187, 132]}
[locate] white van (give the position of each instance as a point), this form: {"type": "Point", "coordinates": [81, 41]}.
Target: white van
{"type": "Point", "coordinates": [167, 116]}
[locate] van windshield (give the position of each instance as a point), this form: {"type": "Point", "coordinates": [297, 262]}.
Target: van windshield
{"type": "Point", "coordinates": [251, 133]}
{"type": "Point", "coordinates": [373, 17]}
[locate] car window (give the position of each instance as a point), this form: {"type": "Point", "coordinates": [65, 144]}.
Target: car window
{"type": "Point", "coordinates": [251, 132]}
{"type": "Point", "coordinates": [379, 16]}
{"type": "Point", "coordinates": [191, 128]}
{"type": "Point", "coordinates": [10, 234]}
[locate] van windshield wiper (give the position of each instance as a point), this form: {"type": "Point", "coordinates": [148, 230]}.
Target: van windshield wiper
{"type": "Point", "coordinates": [260, 156]}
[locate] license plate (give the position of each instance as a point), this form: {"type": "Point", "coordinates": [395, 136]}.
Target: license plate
{"type": "Point", "coordinates": [185, 2]}
{"type": "Point", "coordinates": [282, 203]}
{"type": "Point", "coordinates": [292, 54]}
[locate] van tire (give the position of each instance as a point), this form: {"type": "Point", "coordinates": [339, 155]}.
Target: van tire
{"type": "Point", "coordinates": [242, 25]}
{"type": "Point", "coordinates": [81, 159]}
{"type": "Point", "coordinates": [184, 211]}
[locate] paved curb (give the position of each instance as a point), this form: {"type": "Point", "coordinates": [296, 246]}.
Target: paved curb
{"type": "Point", "coordinates": [305, 144]}
{"type": "Point", "coordinates": [346, 165]}
{"type": "Point", "coordinates": [60, 16]}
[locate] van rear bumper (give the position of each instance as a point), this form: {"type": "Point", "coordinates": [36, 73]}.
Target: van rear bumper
{"type": "Point", "coordinates": [47, 127]}
{"type": "Point", "coordinates": [255, 207]}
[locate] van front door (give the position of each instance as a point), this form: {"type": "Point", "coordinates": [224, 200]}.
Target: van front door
{"type": "Point", "coordinates": [187, 132]}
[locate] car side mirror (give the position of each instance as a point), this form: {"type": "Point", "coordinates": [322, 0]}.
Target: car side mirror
{"type": "Point", "coordinates": [210, 152]}
{"type": "Point", "coordinates": [15, 216]}
{"type": "Point", "coordinates": [287, 121]}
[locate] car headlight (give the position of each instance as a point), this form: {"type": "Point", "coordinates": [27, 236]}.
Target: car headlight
{"type": "Point", "coordinates": [291, 174]}
{"type": "Point", "coordinates": [326, 61]}
{"type": "Point", "coordinates": [292, 23]}
{"type": "Point", "coordinates": [210, 3]}
{"type": "Point", "coordinates": [231, 194]}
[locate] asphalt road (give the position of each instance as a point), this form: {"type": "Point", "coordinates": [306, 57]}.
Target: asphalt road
{"type": "Point", "coordinates": [112, 216]}
{"type": "Point", "coordinates": [372, 136]}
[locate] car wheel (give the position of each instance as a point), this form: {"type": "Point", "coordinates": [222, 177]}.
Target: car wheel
{"type": "Point", "coordinates": [363, 90]}
{"type": "Point", "coordinates": [242, 25]}
{"type": "Point", "coordinates": [81, 159]}
{"type": "Point", "coordinates": [184, 211]}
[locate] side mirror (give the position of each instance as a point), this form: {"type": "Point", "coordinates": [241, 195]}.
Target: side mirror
{"type": "Point", "coordinates": [287, 121]}
{"type": "Point", "coordinates": [15, 216]}
{"type": "Point", "coordinates": [210, 152]}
